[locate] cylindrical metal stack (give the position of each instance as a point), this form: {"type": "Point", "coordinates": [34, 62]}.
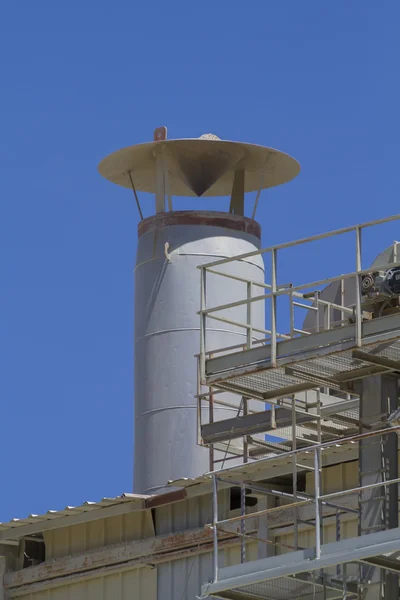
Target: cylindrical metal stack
{"type": "Point", "coordinates": [172, 244]}
{"type": "Point", "coordinates": [167, 300]}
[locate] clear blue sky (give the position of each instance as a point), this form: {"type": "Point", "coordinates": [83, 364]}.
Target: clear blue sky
{"type": "Point", "coordinates": [319, 80]}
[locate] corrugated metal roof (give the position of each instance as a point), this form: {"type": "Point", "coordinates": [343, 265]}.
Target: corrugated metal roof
{"type": "Point", "coordinates": [71, 515]}
{"type": "Point", "coordinates": [68, 511]}
{"type": "Point", "coordinates": [268, 467]}
{"type": "Point", "coordinates": [173, 491]}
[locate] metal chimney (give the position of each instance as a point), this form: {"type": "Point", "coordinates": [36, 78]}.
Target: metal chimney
{"type": "Point", "coordinates": [171, 245]}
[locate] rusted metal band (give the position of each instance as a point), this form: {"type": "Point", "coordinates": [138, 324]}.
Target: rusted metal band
{"type": "Point", "coordinates": [209, 218]}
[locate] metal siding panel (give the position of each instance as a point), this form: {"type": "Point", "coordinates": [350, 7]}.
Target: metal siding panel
{"type": "Point", "coordinates": [146, 584]}
{"type": "Point", "coordinates": [112, 587]}
{"type": "Point", "coordinates": [95, 534]}
{"type": "Point", "coordinates": [349, 529]}
{"type": "Point", "coordinates": [137, 584]}
{"type": "Point", "coordinates": [60, 542]}
{"type": "Point", "coordinates": [94, 589]}
{"type": "Point", "coordinates": [77, 538]}
{"type": "Point", "coordinates": [113, 530]}
{"type": "Point", "coordinates": [61, 593]}
{"type": "Point", "coordinates": [335, 478]}
{"type": "Point", "coordinates": [138, 526]}
{"type": "Point", "coordinates": [48, 537]}
{"type": "Point", "coordinates": [77, 591]}
{"type": "Point", "coordinates": [131, 585]}
{"type": "Point", "coordinates": [232, 555]}
{"type": "Point", "coordinates": [182, 579]}
{"type": "Point", "coordinates": [190, 514]}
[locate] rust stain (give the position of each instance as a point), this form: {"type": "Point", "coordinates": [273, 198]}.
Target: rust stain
{"type": "Point", "coordinates": [181, 543]}
{"type": "Point", "coordinates": [193, 217]}
{"type": "Point", "coordinates": [169, 497]}
{"type": "Point", "coordinates": [184, 540]}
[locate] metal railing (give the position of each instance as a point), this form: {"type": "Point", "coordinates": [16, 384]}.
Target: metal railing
{"type": "Point", "coordinates": [319, 500]}
{"type": "Point", "coordinates": [299, 296]}
{"type": "Point", "coordinates": [309, 511]}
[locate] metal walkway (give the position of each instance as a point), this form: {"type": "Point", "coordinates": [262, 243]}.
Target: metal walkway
{"type": "Point", "coordinates": [327, 359]}
{"type": "Point", "coordinates": [264, 575]}
{"type": "Point", "coordinates": [317, 383]}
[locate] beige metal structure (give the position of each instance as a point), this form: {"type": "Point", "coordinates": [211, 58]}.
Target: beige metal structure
{"type": "Point", "coordinates": [309, 512]}
{"type": "Point", "coordinates": [199, 167]}
{"type": "Point", "coordinates": [132, 546]}
{"type": "Point", "coordinates": [333, 389]}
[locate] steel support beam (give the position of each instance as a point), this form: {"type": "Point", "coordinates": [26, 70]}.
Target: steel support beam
{"type": "Point", "coordinates": [250, 424]}
{"type": "Point", "coordinates": [381, 361]}
{"type": "Point", "coordinates": [302, 348]}
{"type": "Point", "coordinates": [378, 460]}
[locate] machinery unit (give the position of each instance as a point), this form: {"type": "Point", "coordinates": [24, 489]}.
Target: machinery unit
{"type": "Point", "coordinates": [381, 288]}
{"type": "Point", "coordinates": [380, 294]}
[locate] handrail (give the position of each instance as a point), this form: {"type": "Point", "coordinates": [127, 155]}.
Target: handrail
{"type": "Point", "coordinates": [301, 241]}
{"type": "Point", "coordinates": [317, 499]}
{"type": "Point", "coordinates": [294, 293]}
{"type": "Point", "coordinates": [328, 316]}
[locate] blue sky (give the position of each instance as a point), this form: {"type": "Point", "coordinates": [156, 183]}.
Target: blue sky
{"type": "Point", "coordinates": [319, 80]}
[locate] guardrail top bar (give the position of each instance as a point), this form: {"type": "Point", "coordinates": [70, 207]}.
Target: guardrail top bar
{"type": "Point", "coordinates": [309, 449]}
{"type": "Point", "coordinates": [313, 238]}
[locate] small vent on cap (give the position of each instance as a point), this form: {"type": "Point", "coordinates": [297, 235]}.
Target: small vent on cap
{"type": "Point", "coordinates": [209, 136]}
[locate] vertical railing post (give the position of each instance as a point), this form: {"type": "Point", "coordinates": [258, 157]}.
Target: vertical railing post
{"type": "Point", "coordinates": [291, 314]}
{"type": "Point", "coordinates": [215, 528]}
{"type": "Point", "coordinates": [273, 416]}
{"type": "Point", "coordinates": [317, 503]}
{"type": "Point", "coordinates": [358, 288]}
{"type": "Point", "coordinates": [344, 581]}
{"type": "Point", "coordinates": [242, 524]}
{"type": "Point", "coordinates": [395, 244]}
{"type": "Point", "coordinates": [199, 404]}
{"type": "Point", "coordinates": [202, 324]}
{"type": "Point", "coordinates": [338, 537]}
{"type": "Point", "coordinates": [294, 467]}
{"type": "Point", "coordinates": [249, 316]}
{"type": "Point", "coordinates": [245, 437]}
{"type": "Point", "coordinates": [342, 300]}
{"type": "Point", "coordinates": [316, 299]}
{"type": "Point", "coordinates": [327, 316]}
{"type": "Point", "coordinates": [273, 306]}
{"type": "Point", "coordinates": [211, 420]}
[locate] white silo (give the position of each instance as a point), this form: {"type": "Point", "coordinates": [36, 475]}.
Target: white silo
{"type": "Point", "coordinates": [171, 245]}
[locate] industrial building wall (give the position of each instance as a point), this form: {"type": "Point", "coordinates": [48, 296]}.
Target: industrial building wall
{"type": "Point", "coordinates": [176, 580]}
{"type": "Point", "coordinates": [136, 584]}
{"type": "Point", "coordinates": [103, 532]}
{"type": "Point", "coordinates": [183, 579]}
{"type": "Point", "coordinates": [232, 554]}
{"type": "Point", "coordinates": [179, 579]}
{"type": "Point", "coordinates": [335, 478]}
{"type": "Point", "coordinates": [172, 518]}
{"type": "Point", "coordinates": [192, 513]}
